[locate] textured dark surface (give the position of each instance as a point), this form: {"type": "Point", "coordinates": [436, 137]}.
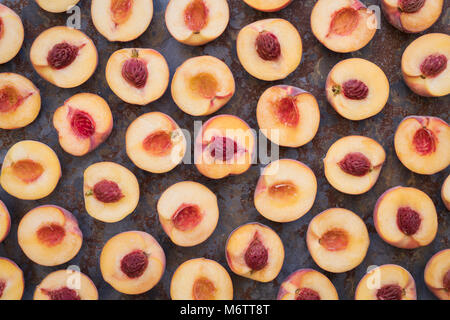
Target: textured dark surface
{"type": "Point", "coordinates": [235, 194]}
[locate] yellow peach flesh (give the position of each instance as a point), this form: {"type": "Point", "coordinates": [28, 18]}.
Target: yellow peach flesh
{"type": "Point", "coordinates": [436, 274]}
{"type": "Point", "coordinates": [12, 34]}
{"type": "Point", "coordinates": [12, 278]}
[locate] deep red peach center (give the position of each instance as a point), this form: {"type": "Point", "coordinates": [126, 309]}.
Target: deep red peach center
{"type": "Point", "coordinates": [27, 170]}
{"type": "Point", "coordinates": [267, 46]}
{"type": "Point", "coordinates": [203, 289]}
{"type": "Point", "coordinates": [205, 85]}
{"type": "Point", "coordinates": [63, 293]}
{"type": "Point", "coordinates": [424, 141]}
{"type": "Point", "coordinates": [344, 21]}
{"type": "Point", "coordinates": [408, 220]}
{"type": "Point", "coordinates": [307, 294]}
{"type": "Point", "coordinates": [283, 190]}
{"type": "Point", "coordinates": [2, 287]}
{"type": "Point", "coordinates": [287, 111]}
{"type": "Point", "coordinates": [445, 281]}
{"type": "Point", "coordinates": [134, 264]}
{"type": "Point", "coordinates": [121, 10]}
{"type": "Point", "coordinates": [355, 163]}
{"type": "Point", "coordinates": [411, 6]}
{"type": "Point", "coordinates": [187, 217]}
{"type": "Point", "coordinates": [2, 28]}
{"type": "Point", "coordinates": [196, 15]}
{"type": "Point", "coordinates": [433, 65]}
{"type": "Point", "coordinates": [223, 148]}
{"type": "Point", "coordinates": [62, 55]}
{"type": "Point", "coordinates": [334, 240]}
{"type": "Point", "coordinates": [82, 124]}
{"type": "Point", "coordinates": [390, 292]}
{"type": "Point", "coordinates": [10, 99]}
{"type": "Point", "coordinates": [51, 235]}
{"type": "Point", "coordinates": [355, 89]}
{"type": "Point", "coordinates": [107, 191]}
{"type": "Point", "coordinates": [256, 255]}
{"type": "Point", "coordinates": [135, 72]}
{"type": "Point", "coordinates": [158, 143]}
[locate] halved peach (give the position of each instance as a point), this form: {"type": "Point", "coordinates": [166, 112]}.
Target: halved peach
{"type": "Point", "coordinates": [445, 192]}
{"type": "Point", "coordinates": [224, 146]}
{"type": "Point", "coordinates": [5, 221]}
{"type": "Point", "coordinates": [202, 85]}
{"type": "Point", "coordinates": [11, 34]}
{"type": "Point", "coordinates": [12, 281]}
{"type": "Point", "coordinates": [111, 191]}
{"type": "Point", "coordinates": [201, 279]}
{"type": "Point", "coordinates": [337, 240]}
{"type": "Point", "coordinates": [121, 20]}
{"type": "Point", "coordinates": [307, 284]}
{"type": "Point", "coordinates": [268, 5]}
{"type": "Point", "coordinates": [425, 65]}
{"type": "Point", "coordinates": [357, 89]}
{"type": "Point", "coordinates": [412, 16]}
{"type": "Point", "coordinates": [288, 116]}
{"type": "Point", "coordinates": [353, 164]}
{"type": "Point", "coordinates": [132, 262]}
{"type": "Point", "coordinates": [49, 235]}
{"type": "Point", "coordinates": [83, 122]}
{"type": "Point", "coordinates": [255, 251]}
{"type": "Point", "coordinates": [155, 143]}
{"type": "Point", "coordinates": [137, 76]}
{"type": "Point", "coordinates": [20, 101]}
{"type": "Point", "coordinates": [422, 144]}
{"type": "Point", "coordinates": [64, 56]}
{"type": "Point", "coordinates": [405, 218]}
{"type": "Point", "coordinates": [56, 6]}
{"type": "Point", "coordinates": [30, 170]}
{"type": "Point", "coordinates": [386, 282]}
{"type": "Point", "coordinates": [197, 22]}
{"type": "Point", "coordinates": [343, 25]}
{"type": "Point", "coordinates": [66, 285]}
{"type": "Point", "coordinates": [188, 213]}
{"type": "Point", "coordinates": [269, 49]}
{"type": "Point", "coordinates": [286, 190]}
{"type": "Point", "coordinates": [437, 274]}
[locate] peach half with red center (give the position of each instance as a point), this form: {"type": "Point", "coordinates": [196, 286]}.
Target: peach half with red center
{"type": "Point", "coordinates": [121, 20]}
{"type": "Point", "coordinates": [386, 282]}
{"type": "Point", "coordinates": [225, 146]}
{"type": "Point", "coordinates": [11, 34]}
{"type": "Point", "coordinates": [201, 279]}
{"type": "Point", "coordinates": [188, 213]}
{"type": "Point", "coordinates": [286, 190]}
{"type": "Point", "coordinates": [49, 235]}
{"type": "Point", "coordinates": [111, 191]}
{"type": "Point", "coordinates": [357, 89]}
{"type": "Point", "coordinates": [288, 116]}
{"type": "Point", "coordinates": [20, 101]}
{"type": "Point", "coordinates": [422, 144]}
{"type": "Point", "coordinates": [132, 262]}
{"type": "Point", "coordinates": [353, 164]}
{"type": "Point", "coordinates": [30, 170]}
{"type": "Point", "coordinates": [64, 56]}
{"type": "Point", "coordinates": [255, 251]}
{"type": "Point", "coordinates": [268, 5]}
{"type": "Point", "coordinates": [269, 49]}
{"type": "Point", "coordinates": [56, 6]}
{"type": "Point", "coordinates": [155, 143]}
{"type": "Point", "coordinates": [61, 285]}
{"type": "Point", "coordinates": [83, 122]}
{"type": "Point", "coordinates": [337, 240]}
{"type": "Point", "coordinates": [5, 221]}
{"type": "Point", "coordinates": [445, 192]}
{"type": "Point", "coordinates": [137, 76]}
{"type": "Point", "coordinates": [12, 282]}
{"type": "Point", "coordinates": [343, 25]}
{"type": "Point", "coordinates": [202, 85]}
{"type": "Point", "coordinates": [405, 218]}
{"type": "Point", "coordinates": [412, 16]}
{"type": "Point", "coordinates": [197, 22]}
{"type": "Point", "coordinates": [425, 65]}
{"type": "Point", "coordinates": [437, 274]}
{"type": "Point", "coordinates": [307, 284]}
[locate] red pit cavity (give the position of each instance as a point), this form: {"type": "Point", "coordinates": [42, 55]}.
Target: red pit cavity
{"type": "Point", "coordinates": [107, 191]}
{"type": "Point", "coordinates": [2, 28]}
{"type": "Point", "coordinates": [121, 10]}
{"type": "Point", "coordinates": [135, 72]}
{"type": "Point", "coordinates": [390, 292]}
{"type": "Point", "coordinates": [256, 255]}
{"type": "Point", "coordinates": [283, 190]}
{"type": "Point", "coordinates": [287, 112]}
{"type": "Point", "coordinates": [334, 240]}
{"type": "Point", "coordinates": [356, 164]}
{"type": "Point", "coordinates": [223, 148]}
{"type": "Point", "coordinates": [27, 170]}
{"type": "Point", "coordinates": [187, 217]}
{"type": "Point", "coordinates": [9, 99]}
{"type": "Point", "coordinates": [158, 143]}
{"type": "Point", "coordinates": [411, 6]}
{"type": "Point", "coordinates": [445, 281]}
{"type": "Point", "coordinates": [82, 124]}
{"type": "Point", "coordinates": [2, 287]}
{"type": "Point", "coordinates": [63, 293]}
{"type": "Point", "coordinates": [355, 89]}
{"type": "Point", "coordinates": [268, 46]}
{"type": "Point", "coordinates": [62, 55]}
{"type": "Point", "coordinates": [307, 294]}
{"type": "Point", "coordinates": [433, 65]}
{"type": "Point", "coordinates": [51, 235]}
{"type": "Point", "coordinates": [196, 15]}
{"type": "Point", "coordinates": [424, 141]}
{"type": "Point", "coordinates": [408, 220]}
{"type": "Point", "coordinates": [203, 289]}
{"type": "Point", "coordinates": [134, 264]}
{"type": "Point", "coordinates": [344, 21]}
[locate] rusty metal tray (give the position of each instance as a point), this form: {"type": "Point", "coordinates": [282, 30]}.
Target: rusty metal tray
{"type": "Point", "coordinates": [235, 194]}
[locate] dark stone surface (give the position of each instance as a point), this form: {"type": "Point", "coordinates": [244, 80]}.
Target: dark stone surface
{"type": "Point", "coordinates": [235, 194]}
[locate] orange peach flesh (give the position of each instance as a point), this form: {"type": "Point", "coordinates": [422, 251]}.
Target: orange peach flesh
{"type": "Point", "coordinates": [204, 84]}
{"type": "Point", "coordinates": [334, 240]}
{"type": "Point", "coordinates": [158, 143]}
{"type": "Point", "coordinates": [344, 21]}
{"type": "Point", "coordinates": [27, 170]}
{"type": "Point", "coordinates": [196, 15]}
{"type": "Point", "coordinates": [121, 10]}
{"type": "Point", "coordinates": [203, 289]}
{"type": "Point", "coordinates": [437, 274]}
